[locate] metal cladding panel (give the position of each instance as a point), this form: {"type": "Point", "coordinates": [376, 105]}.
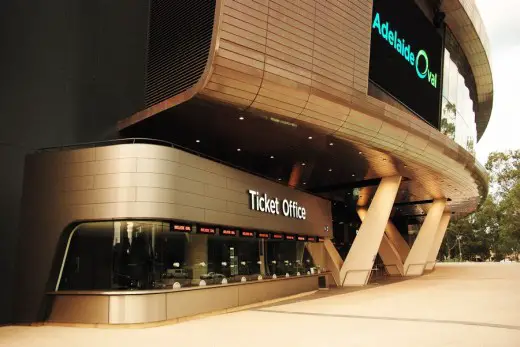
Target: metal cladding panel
{"type": "Point", "coordinates": [307, 62]}
{"type": "Point", "coordinates": [136, 181]}
{"type": "Point", "coordinates": [179, 44]}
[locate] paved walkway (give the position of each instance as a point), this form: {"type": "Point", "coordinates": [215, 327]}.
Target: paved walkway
{"type": "Point", "coordinates": [457, 305]}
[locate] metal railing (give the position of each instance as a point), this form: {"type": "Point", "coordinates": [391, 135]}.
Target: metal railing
{"type": "Point", "coordinates": [144, 140]}
{"type": "Point", "coordinates": [367, 278]}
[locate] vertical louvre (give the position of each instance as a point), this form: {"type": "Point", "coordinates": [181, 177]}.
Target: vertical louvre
{"type": "Point", "coordinates": [178, 48]}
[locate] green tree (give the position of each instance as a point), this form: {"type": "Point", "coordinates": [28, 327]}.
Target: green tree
{"type": "Point", "coordinates": [492, 232]}
{"type": "Point", "coordinates": [504, 172]}
{"type": "Point", "coordinates": [509, 216]}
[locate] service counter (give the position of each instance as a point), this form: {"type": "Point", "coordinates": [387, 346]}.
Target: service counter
{"type": "Point", "coordinates": [148, 306]}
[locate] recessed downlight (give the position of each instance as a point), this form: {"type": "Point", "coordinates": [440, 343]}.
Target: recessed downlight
{"type": "Point", "coordinates": [353, 175]}
{"type": "Point", "coordinates": [198, 141]}
{"type": "Point", "coordinates": [272, 157]}
{"type": "Point", "coordinates": [304, 183]}
{"type": "Point", "coordinates": [331, 144]}
{"type": "Point", "coordinates": [330, 170]}
{"type": "Point", "coordinates": [238, 149]}
{"type": "Point", "coordinates": [310, 137]}
{"type": "Point", "coordinates": [241, 118]}
{"type": "Point", "coordinates": [303, 164]}
{"type": "Point", "coordinates": [360, 153]}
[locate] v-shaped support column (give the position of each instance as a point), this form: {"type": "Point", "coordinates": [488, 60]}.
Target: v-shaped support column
{"type": "Point", "coordinates": [393, 249]}
{"type": "Point", "coordinates": [437, 242]}
{"type": "Point", "coordinates": [358, 265]}
{"type": "Point", "coordinates": [416, 260]}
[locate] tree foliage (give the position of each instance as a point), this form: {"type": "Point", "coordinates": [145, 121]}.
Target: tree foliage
{"type": "Point", "coordinates": [493, 232]}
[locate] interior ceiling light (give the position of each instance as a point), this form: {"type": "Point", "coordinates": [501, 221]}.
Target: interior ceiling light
{"type": "Point", "coordinates": [241, 118]}
{"type": "Point", "coordinates": [331, 144]}
{"type": "Point", "coordinates": [238, 149]}
{"type": "Point", "coordinates": [303, 164]}
{"type": "Point", "coordinates": [330, 170]}
{"type": "Point", "coordinates": [198, 141]}
{"type": "Point", "coordinates": [304, 183]}
{"type": "Point", "coordinates": [272, 157]}
{"type": "Point", "coordinates": [353, 175]}
{"type": "Point", "coordinates": [279, 179]}
{"type": "Point", "coordinates": [310, 137]}
{"type": "Point", "coordinates": [360, 152]}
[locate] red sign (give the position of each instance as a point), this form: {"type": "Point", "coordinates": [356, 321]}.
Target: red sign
{"type": "Point", "coordinates": [302, 238]}
{"type": "Point", "coordinates": [180, 227]}
{"type": "Point", "coordinates": [277, 236]}
{"type": "Point", "coordinates": [247, 234]}
{"type": "Point", "coordinates": [311, 238]}
{"type": "Point", "coordinates": [228, 232]}
{"type": "Point", "coordinates": [206, 230]}
{"type": "Point", "coordinates": [262, 235]}
{"type": "Point", "coordinates": [290, 237]}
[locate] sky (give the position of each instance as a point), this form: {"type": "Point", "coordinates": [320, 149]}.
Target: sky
{"type": "Point", "coordinates": [501, 19]}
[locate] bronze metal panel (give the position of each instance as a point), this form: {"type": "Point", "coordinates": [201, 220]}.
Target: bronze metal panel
{"type": "Point", "coordinates": [88, 309]}
{"type": "Point", "coordinates": [168, 184]}
{"type": "Point", "coordinates": [268, 290]}
{"type": "Point", "coordinates": [130, 309]}
{"type": "Point", "coordinates": [194, 302]}
{"type": "Point", "coordinates": [465, 22]}
{"type": "Point", "coordinates": [307, 61]}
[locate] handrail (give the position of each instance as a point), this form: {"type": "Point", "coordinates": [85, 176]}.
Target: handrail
{"type": "Point", "coordinates": [144, 140]}
{"type": "Point", "coordinates": [357, 270]}
{"type": "Point", "coordinates": [94, 144]}
{"type": "Point", "coordinates": [418, 264]}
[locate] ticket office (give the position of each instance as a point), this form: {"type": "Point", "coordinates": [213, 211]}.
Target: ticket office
{"type": "Point", "coordinates": [147, 255]}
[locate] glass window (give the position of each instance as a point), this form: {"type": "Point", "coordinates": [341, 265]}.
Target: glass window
{"type": "Point", "coordinates": [458, 117]}
{"type": "Point", "coordinates": [137, 255]}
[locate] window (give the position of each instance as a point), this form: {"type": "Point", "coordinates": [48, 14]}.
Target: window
{"type": "Point", "coordinates": [138, 255]}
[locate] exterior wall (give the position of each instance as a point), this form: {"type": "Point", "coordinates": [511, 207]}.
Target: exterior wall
{"type": "Point", "coordinates": [463, 19]}
{"type": "Point", "coordinates": [171, 305]}
{"type": "Point", "coordinates": [307, 62]}
{"type": "Point", "coordinates": [136, 181]}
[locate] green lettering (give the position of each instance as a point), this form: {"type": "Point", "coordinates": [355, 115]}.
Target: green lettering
{"type": "Point", "coordinates": [377, 23]}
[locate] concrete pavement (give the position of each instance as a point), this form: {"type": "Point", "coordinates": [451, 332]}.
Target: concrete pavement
{"type": "Point", "coordinates": [456, 305]}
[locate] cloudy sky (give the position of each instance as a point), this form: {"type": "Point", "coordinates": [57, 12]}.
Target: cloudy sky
{"type": "Point", "coordinates": [501, 18]}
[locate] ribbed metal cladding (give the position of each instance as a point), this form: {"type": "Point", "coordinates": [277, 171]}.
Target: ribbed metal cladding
{"type": "Point", "coordinates": [178, 48]}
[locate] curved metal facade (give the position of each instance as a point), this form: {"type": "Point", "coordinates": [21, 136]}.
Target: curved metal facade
{"type": "Point", "coordinates": [463, 19]}
{"type": "Point", "coordinates": [307, 62]}
{"type": "Point", "coordinates": [135, 181]}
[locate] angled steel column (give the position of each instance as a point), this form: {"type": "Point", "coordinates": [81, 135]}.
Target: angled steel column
{"type": "Point", "coordinates": [388, 250]}
{"type": "Point", "coordinates": [439, 236]}
{"type": "Point", "coordinates": [416, 260]}
{"type": "Point", "coordinates": [358, 265]}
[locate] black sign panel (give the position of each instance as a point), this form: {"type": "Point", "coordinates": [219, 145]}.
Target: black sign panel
{"type": "Point", "coordinates": [262, 235]}
{"type": "Point", "coordinates": [228, 232]}
{"type": "Point", "coordinates": [206, 230]}
{"type": "Point", "coordinates": [406, 57]}
{"type": "Point", "coordinates": [245, 233]}
{"type": "Point", "coordinates": [180, 227]}
{"type": "Point", "coordinates": [277, 236]}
